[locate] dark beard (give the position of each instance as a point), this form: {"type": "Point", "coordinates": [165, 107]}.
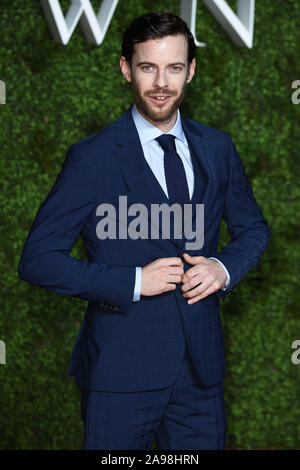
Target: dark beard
{"type": "Point", "coordinates": [155, 116]}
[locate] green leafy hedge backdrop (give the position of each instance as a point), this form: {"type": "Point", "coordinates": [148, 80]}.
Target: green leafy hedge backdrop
{"type": "Point", "coordinates": [57, 95]}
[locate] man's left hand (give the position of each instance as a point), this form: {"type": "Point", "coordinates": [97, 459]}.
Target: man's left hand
{"type": "Point", "coordinates": [204, 278]}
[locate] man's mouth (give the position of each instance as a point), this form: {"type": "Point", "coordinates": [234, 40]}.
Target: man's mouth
{"type": "Point", "coordinates": [160, 98]}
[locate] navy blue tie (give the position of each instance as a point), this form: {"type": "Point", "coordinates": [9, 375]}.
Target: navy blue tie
{"type": "Point", "coordinates": [177, 186]}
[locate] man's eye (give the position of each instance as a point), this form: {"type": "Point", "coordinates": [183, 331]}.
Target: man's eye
{"type": "Point", "coordinates": [176, 68]}
{"type": "Point", "coordinates": [147, 67]}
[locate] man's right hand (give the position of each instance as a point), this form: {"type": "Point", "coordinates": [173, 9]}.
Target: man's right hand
{"type": "Point", "coordinates": [161, 275]}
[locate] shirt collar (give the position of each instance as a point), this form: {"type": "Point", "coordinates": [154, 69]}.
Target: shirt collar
{"type": "Point", "coordinates": [148, 131]}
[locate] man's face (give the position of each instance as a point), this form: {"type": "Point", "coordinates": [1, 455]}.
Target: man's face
{"type": "Point", "coordinates": [158, 75]}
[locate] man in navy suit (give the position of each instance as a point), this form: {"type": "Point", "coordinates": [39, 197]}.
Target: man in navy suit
{"type": "Point", "coordinates": [149, 356]}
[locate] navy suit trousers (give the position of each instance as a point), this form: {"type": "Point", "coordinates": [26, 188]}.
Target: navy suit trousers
{"type": "Point", "coordinates": [185, 415]}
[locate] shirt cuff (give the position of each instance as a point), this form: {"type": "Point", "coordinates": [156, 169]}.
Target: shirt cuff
{"type": "Point", "coordinates": [227, 273]}
{"type": "Point", "coordinates": [138, 284]}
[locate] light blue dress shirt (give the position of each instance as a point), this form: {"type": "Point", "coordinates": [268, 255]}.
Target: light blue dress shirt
{"type": "Point", "coordinates": [154, 155]}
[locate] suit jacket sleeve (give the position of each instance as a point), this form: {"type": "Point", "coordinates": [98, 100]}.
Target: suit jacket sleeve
{"type": "Point", "coordinates": [46, 259]}
{"type": "Point", "coordinates": [248, 229]}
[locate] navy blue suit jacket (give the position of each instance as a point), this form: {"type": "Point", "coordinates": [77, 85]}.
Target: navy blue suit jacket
{"type": "Point", "coordinates": [133, 346]}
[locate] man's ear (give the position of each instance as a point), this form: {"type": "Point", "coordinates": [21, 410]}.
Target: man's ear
{"type": "Point", "coordinates": [125, 69]}
{"type": "Point", "coordinates": [192, 66]}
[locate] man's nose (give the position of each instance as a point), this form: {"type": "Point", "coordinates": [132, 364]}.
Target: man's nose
{"type": "Point", "coordinates": [160, 79]}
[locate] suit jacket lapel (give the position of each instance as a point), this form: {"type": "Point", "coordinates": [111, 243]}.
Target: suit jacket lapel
{"type": "Point", "coordinates": [129, 154]}
{"type": "Point", "coordinates": [201, 156]}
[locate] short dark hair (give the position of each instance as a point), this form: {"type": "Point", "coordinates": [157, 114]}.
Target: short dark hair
{"type": "Point", "coordinates": [154, 25]}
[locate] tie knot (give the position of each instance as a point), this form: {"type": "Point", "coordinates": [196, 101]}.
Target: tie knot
{"type": "Point", "coordinates": [167, 142]}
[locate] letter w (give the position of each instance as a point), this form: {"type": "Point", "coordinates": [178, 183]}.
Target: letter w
{"type": "Point", "coordinates": [94, 27]}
